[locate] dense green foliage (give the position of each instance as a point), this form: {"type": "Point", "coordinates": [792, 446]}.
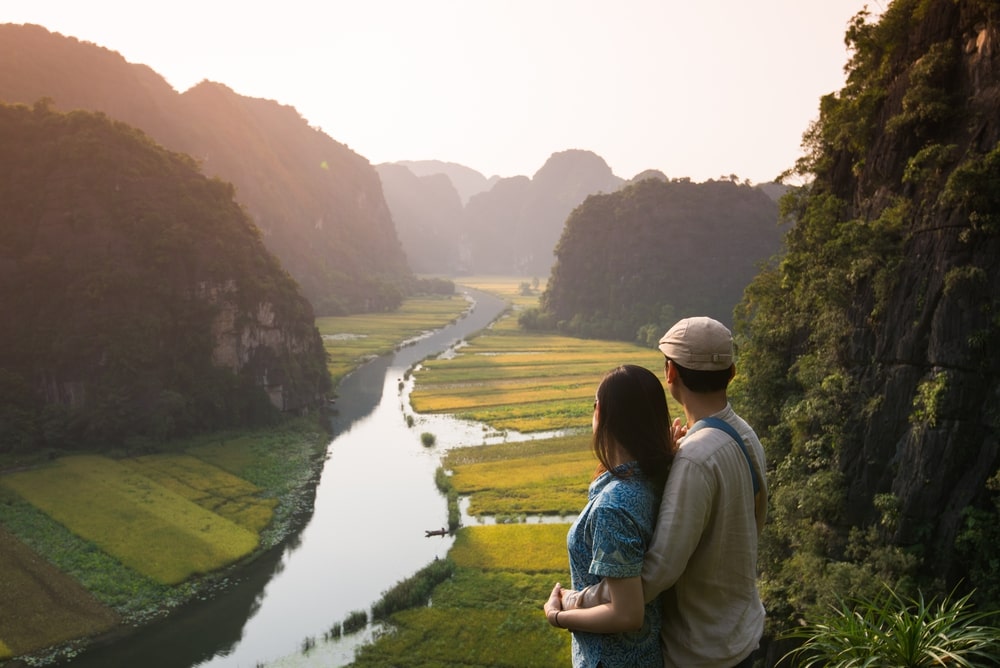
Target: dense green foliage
{"type": "Point", "coordinates": [631, 263]}
{"type": "Point", "coordinates": [864, 360]}
{"type": "Point", "coordinates": [117, 260]}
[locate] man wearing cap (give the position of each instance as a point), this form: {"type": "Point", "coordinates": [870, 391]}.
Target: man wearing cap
{"type": "Point", "coordinates": [704, 549]}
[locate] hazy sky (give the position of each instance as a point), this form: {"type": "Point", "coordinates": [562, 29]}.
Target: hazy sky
{"type": "Point", "coordinates": [697, 88]}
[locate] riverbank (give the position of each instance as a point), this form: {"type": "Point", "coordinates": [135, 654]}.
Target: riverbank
{"type": "Point", "coordinates": [281, 463]}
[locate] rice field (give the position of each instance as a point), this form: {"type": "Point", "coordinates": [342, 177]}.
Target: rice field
{"type": "Point", "coordinates": [525, 382]}
{"type": "Point", "coordinates": [546, 477]}
{"type": "Point", "coordinates": [490, 612]}
{"type": "Point", "coordinates": [145, 525]}
{"type": "Point", "coordinates": [210, 487]}
{"type": "Point", "coordinates": [352, 340]}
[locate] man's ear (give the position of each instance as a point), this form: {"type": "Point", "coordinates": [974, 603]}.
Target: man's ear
{"type": "Point", "coordinates": [670, 372]}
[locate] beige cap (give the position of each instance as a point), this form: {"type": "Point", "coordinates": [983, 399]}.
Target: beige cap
{"type": "Point", "coordinates": [702, 344]}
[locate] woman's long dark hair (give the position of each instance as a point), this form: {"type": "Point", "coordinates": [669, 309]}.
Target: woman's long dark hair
{"type": "Point", "coordinates": [632, 410]}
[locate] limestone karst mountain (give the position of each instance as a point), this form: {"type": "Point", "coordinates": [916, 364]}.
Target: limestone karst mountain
{"type": "Point", "coordinates": [139, 301]}
{"type": "Point", "coordinates": [318, 204]}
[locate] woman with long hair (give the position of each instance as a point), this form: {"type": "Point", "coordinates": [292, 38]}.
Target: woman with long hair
{"type": "Point", "coordinates": [634, 446]}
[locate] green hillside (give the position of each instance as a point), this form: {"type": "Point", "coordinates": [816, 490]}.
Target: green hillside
{"type": "Point", "coordinates": [139, 301]}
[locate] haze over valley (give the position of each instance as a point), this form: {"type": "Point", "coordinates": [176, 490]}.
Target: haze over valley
{"type": "Point", "coordinates": [168, 258]}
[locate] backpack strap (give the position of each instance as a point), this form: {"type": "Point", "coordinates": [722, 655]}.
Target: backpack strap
{"type": "Point", "coordinates": [718, 423]}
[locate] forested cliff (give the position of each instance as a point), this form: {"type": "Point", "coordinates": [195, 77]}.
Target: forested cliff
{"type": "Point", "coordinates": [867, 357]}
{"type": "Point", "coordinates": [139, 302]}
{"type": "Point", "coordinates": [318, 204]}
{"type": "Point", "coordinates": [632, 262]}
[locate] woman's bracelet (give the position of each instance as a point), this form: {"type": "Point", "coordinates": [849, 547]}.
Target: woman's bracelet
{"type": "Point", "coordinates": [557, 619]}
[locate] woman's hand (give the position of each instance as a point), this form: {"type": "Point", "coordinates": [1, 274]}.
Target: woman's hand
{"type": "Point", "coordinates": [618, 607]}
{"type": "Point", "coordinates": [553, 606]}
{"type": "Point", "coordinates": [679, 430]}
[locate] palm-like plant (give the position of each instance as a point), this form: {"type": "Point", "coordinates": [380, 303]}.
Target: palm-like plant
{"type": "Point", "coordinates": [898, 632]}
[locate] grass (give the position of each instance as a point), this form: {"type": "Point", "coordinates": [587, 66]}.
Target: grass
{"type": "Point", "coordinates": [148, 527]}
{"type": "Point", "coordinates": [353, 340]}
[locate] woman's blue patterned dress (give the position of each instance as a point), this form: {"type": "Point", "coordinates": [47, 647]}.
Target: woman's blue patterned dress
{"type": "Point", "coordinates": [609, 539]}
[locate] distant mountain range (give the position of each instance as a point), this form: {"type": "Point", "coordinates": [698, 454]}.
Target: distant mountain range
{"type": "Point", "coordinates": [513, 226]}
{"type": "Point", "coordinates": [502, 225]}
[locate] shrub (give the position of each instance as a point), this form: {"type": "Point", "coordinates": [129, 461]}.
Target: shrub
{"type": "Point", "coordinates": [355, 621]}
{"type": "Point", "coordinates": [894, 631]}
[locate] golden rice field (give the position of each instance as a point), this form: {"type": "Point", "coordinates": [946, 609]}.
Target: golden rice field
{"type": "Point", "coordinates": [546, 477]}
{"type": "Point", "coordinates": [146, 525]}
{"type": "Point", "coordinates": [210, 487]}
{"type": "Point", "coordinates": [521, 548]}
{"type": "Point", "coordinates": [525, 382]}
{"type": "Point", "coordinates": [351, 340]}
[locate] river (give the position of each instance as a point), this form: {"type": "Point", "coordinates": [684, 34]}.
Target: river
{"type": "Point", "coordinates": [374, 499]}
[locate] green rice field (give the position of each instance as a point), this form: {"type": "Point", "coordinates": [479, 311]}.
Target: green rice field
{"type": "Point", "coordinates": [352, 340]}
{"type": "Point", "coordinates": [145, 525]}
{"type": "Point", "coordinates": [490, 612]}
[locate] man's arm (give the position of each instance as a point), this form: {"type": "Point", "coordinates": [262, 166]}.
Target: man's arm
{"type": "Point", "coordinates": [684, 512]}
{"type": "Point", "coordinates": [623, 611]}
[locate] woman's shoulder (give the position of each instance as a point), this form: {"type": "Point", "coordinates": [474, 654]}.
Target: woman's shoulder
{"type": "Point", "coordinates": [629, 488]}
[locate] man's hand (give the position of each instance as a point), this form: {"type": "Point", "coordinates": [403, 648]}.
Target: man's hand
{"type": "Point", "coordinates": [588, 597]}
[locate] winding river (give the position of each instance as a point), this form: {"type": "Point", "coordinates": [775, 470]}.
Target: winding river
{"type": "Point", "coordinates": [374, 499]}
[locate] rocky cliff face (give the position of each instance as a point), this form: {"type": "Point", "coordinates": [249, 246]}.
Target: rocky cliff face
{"type": "Point", "coordinates": [932, 443]}
{"type": "Point", "coordinates": [259, 345]}
{"type": "Point", "coordinates": [882, 322]}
